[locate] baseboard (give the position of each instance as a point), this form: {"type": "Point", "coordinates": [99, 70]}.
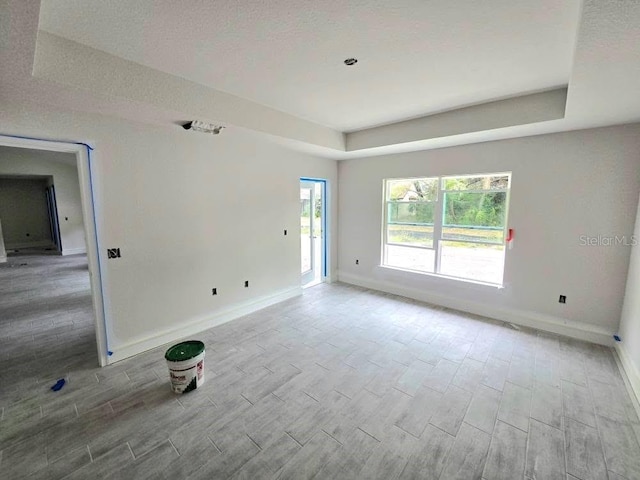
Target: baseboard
{"type": "Point", "coordinates": [548, 323]}
{"type": "Point", "coordinates": [630, 374]}
{"type": "Point", "coordinates": [199, 325]}
{"type": "Point", "coordinates": [38, 244]}
{"type": "Point", "coordinates": [73, 251]}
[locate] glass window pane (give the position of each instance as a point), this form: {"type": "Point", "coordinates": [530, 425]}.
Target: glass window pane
{"type": "Point", "coordinates": [419, 259]}
{"type": "Point", "coordinates": [413, 190]}
{"type": "Point", "coordinates": [473, 261]}
{"type": "Point", "coordinates": [417, 235]}
{"type": "Point", "coordinates": [463, 209]}
{"type": "Point", "coordinates": [305, 229]}
{"type": "Point", "coordinates": [410, 212]}
{"type": "Point", "coordinates": [486, 182]}
{"type": "Point", "coordinates": [470, 234]}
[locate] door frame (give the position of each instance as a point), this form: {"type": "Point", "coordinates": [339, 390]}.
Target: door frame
{"type": "Point", "coordinates": [54, 220]}
{"type": "Point", "coordinates": [324, 257]}
{"type": "Point", "coordinates": [82, 152]}
{"type": "Point", "coordinates": [308, 276]}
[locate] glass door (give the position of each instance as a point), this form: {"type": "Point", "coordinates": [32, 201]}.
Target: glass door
{"type": "Point", "coordinates": [307, 247]}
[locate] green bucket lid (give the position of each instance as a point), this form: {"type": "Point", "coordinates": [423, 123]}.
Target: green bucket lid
{"type": "Point", "coordinates": [184, 351]}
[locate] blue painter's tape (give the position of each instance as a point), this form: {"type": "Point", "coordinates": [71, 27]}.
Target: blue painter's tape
{"type": "Point", "coordinates": [58, 385]}
{"type": "Point", "coordinates": [324, 218]}
{"type": "Point", "coordinates": [617, 338]}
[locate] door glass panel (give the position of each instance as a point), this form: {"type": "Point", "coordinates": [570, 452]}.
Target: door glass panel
{"type": "Point", "coordinates": [306, 233]}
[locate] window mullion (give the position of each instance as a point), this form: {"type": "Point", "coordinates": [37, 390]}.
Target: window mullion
{"type": "Point", "coordinates": [385, 227]}
{"type": "Point", "coordinates": [437, 225]}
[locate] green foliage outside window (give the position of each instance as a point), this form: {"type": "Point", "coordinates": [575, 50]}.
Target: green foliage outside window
{"type": "Point", "coordinates": [474, 209]}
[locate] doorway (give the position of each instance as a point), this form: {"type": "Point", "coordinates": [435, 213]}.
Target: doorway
{"type": "Point", "coordinates": [313, 248]}
{"type": "Point", "coordinates": [24, 210]}
{"type": "Point", "coordinates": [83, 232]}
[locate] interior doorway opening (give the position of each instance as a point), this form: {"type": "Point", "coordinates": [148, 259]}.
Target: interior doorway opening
{"type": "Point", "coordinates": [26, 216]}
{"type": "Point", "coordinates": [81, 236]}
{"type": "Point", "coordinates": [313, 222]}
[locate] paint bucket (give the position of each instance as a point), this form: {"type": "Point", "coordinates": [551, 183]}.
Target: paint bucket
{"type": "Point", "coordinates": [186, 365]}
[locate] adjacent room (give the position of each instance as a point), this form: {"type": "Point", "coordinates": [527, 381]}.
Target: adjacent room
{"type": "Point", "coordinates": [402, 236]}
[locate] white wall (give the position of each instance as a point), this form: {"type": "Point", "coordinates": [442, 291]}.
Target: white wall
{"type": "Point", "coordinates": [190, 212]}
{"type": "Point", "coordinates": [629, 347]}
{"type": "Point", "coordinates": [563, 186]}
{"type": "Point", "coordinates": [23, 210]}
{"type": "Point", "coordinates": [62, 167]}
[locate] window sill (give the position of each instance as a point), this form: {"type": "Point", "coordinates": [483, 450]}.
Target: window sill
{"type": "Point", "coordinates": [446, 278]}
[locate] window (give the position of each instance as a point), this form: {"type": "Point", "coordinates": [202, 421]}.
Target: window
{"type": "Point", "coordinates": [453, 226]}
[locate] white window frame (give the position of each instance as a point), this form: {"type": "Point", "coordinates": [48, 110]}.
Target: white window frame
{"type": "Point", "coordinates": [438, 222]}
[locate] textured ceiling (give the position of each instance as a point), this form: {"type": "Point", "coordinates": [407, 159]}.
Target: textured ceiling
{"type": "Point", "coordinates": [596, 64]}
{"type": "Point", "coordinates": [415, 56]}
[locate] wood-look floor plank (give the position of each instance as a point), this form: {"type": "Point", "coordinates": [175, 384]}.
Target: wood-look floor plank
{"type": "Point", "coordinates": [483, 409]}
{"type": "Point", "coordinates": [341, 382]}
{"type": "Point", "coordinates": [515, 407]}
{"type": "Point", "coordinates": [620, 447]}
{"type": "Point", "coordinates": [506, 458]}
{"type": "Point", "coordinates": [585, 458]}
{"type": "Point", "coordinates": [546, 404]}
{"type": "Point", "coordinates": [468, 455]}
{"type": "Point", "coordinates": [429, 459]}
{"type": "Point", "coordinates": [545, 452]}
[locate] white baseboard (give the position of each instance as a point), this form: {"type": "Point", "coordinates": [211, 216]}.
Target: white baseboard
{"type": "Point", "coordinates": [199, 325]}
{"type": "Point", "coordinates": [548, 323]}
{"type": "Point", "coordinates": [630, 374]}
{"type": "Point", "coordinates": [74, 251]}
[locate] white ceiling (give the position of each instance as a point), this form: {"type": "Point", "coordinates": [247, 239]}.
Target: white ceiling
{"type": "Point", "coordinates": [160, 62]}
{"type": "Point", "coordinates": [416, 57]}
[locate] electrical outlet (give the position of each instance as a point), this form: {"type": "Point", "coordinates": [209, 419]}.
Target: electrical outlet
{"type": "Point", "coordinates": [357, 262]}
{"type": "Point", "coordinates": [113, 252]}
{"type": "Point", "coordinates": [214, 291]}
{"type": "Point", "coordinates": [246, 284]}
{"type": "Point", "coordinates": [562, 299]}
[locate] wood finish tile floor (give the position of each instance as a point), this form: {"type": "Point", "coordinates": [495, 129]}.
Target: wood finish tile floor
{"type": "Point", "coordinates": [340, 383]}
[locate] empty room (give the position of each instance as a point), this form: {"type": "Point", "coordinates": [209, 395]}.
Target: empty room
{"type": "Point", "coordinates": [340, 239]}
